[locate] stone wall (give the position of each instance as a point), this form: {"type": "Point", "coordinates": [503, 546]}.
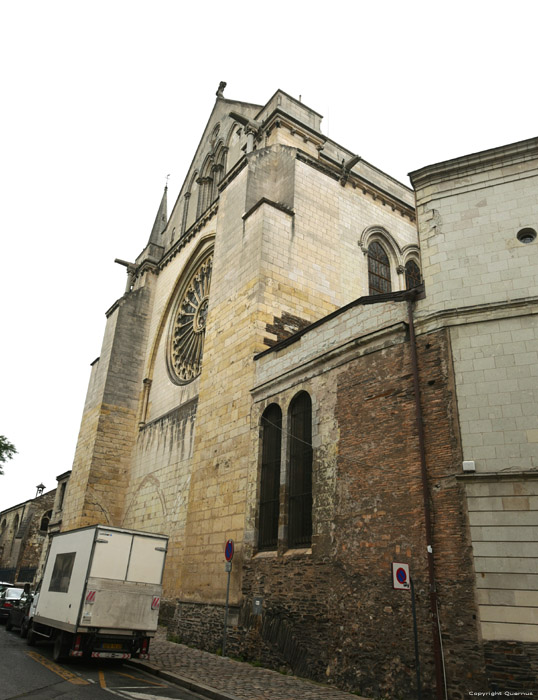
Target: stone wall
{"type": "Point", "coordinates": [329, 612]}
{"type": "Point", "coordinates": [110, 420]}
{"type": "Point", "coordinates": [22, 538]}
{"type": "Point", "coordinates": [511, 665]}
{"type": "Point", "coordinates": [481, 281]}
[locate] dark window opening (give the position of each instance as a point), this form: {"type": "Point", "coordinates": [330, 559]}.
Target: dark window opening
{"type": "Point", "coordinates": [526, 235]}
{"type": "Point", "coordinates": [271, 426]}
{"type": "Point", "coordinates": [378, 269]}
{"type": "Point", "coordinates": [412, 274]}
{"type": "Point", "coordinates": [44, 526]}
{"type": "Point", "coordinates": [61, 574]}
{"type": "Point", "coordinates": [300, 472]}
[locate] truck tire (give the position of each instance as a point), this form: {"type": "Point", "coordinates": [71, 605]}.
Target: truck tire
{"type": "Point", "coordinates": [62, 644]}
{"type": "Point", "coordinates": [31, 638]}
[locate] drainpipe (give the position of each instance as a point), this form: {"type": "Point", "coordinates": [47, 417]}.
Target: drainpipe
{"type": "Point", "coordinates": [436, 628]}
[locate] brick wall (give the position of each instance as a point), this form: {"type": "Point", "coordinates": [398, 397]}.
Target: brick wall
{"type": "Point", "coordinates": [380, 512]}
{"type": "Point", "coordinates": [330, 612]}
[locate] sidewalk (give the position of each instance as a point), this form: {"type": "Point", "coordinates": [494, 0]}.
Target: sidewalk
{"type": "Point", "coordinates": [224, 679]}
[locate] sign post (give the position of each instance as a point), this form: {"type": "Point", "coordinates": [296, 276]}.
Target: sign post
{"type": "Point", "coordinates": [402, 580]}
{"type": "Point", "coordinates": [228, 555]}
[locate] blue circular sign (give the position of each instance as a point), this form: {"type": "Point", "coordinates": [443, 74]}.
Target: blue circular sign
{"type": "Point", "coordinates": [229, 550]}
{"type": "Point", "coordinates": [401, 575]}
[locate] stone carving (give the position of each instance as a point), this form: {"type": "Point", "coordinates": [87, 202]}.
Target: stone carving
{"type": "Point", "coordinates": [188, 329]}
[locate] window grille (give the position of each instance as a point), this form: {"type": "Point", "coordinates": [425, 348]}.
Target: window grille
{"type": "Point", "coordinates": [300, 472]}
{"type": "Point", "coordinates": [412, 274]}
{"type": "Point", "coordinates": [271, 426]}
{"type": "Point", "coordinates": [378, 269]}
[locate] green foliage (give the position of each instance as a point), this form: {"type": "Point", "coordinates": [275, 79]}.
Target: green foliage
{"type": "Point", "coordinates": [7, 450]}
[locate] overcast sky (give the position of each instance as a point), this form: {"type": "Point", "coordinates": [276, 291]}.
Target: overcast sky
{"type": "Point", "coordinates": [101, 100]}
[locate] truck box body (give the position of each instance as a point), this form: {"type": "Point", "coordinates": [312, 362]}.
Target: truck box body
{"type": "Point", "coordinates": [103, 582]}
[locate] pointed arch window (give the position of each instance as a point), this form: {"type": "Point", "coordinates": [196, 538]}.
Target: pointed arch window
{"type": "Point", "coordinates": [45, 520]}
{"type": "Point", "coordinates": [378, 269]}
{"type": "Point", "coordinates": [271, 426]}
{"type": "Point", "coordinates": [204, 194]}
{"type": "Point", "coordinates": [300, 472]}
{"type": "Point", "coordinates": [412, 274]}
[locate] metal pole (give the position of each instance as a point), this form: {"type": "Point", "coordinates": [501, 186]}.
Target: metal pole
{"type": "Point", "coordinates": [427, 516]}
{"type": "Point", "coordinates": [229, 570]}
{"type": "Point", "coordinates": [415, 632]}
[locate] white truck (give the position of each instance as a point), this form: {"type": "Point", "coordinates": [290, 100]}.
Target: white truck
{"type": "Point", "coordinates": [100, 593]}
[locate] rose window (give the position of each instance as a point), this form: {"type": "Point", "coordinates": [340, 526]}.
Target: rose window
{"type": "Point", "coordinates": [188, 329]}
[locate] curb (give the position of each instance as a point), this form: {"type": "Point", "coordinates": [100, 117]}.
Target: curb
{"type": "Point", "coordinates": [182, 681]}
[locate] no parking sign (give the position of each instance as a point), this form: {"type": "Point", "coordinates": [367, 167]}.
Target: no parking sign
{"type": "Point", "coordinates": [400, 576]}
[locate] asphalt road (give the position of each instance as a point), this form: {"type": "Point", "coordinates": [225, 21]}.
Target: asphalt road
{"type": "Point", "coordinates": [30, 672]}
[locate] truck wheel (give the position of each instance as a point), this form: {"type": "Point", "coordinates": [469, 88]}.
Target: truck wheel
{"type": "Point", "coordinates": [31, 638]}
{"type": "Point", "coordinates": [62, 643]}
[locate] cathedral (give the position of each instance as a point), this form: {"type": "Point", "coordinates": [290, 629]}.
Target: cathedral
{"type": "Point", "coordinates": [338, 373]}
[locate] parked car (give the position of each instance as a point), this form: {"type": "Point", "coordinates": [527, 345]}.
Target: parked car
{"type": "Point", "coordinates": [4, 585]}
{"type": "Point", "coordinates": [19, 614]}
{"type": "Point", "coordinates": [7, 598]}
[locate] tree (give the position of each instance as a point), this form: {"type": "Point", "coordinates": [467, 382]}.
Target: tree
{"type": "Point", "coordinates": [7, 450]}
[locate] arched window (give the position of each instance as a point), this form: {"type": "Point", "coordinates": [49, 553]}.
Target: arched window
{"type": "Point", "coordinates": [44, 526]}
{"type": "Point", "coordinates": [300, 472]}
{"type": "Point", "coordinates": [378, 269]}
{"type": "Point", "coordinates": [412, 274]}
{"type": "Point", "coordinates": [16, 524]}
{"type": "Point", "coordinates": [271, 427]}
{"type": "Point", "coordinates": [204, 194]}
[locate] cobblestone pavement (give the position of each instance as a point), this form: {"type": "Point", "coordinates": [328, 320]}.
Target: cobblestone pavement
{"type": "Point", "coordinates": [232, 679]}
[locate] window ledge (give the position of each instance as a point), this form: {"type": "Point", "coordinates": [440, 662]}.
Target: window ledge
{"type": "Point", "coordinates": [266, 554]}
{"type": "Point", "coordinates": [295, 552]}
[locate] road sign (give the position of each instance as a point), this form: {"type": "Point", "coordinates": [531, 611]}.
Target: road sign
{"type": "Point", "coordinates": [400, 576]}
{"type": "Point", "coordinates": [229, 550]}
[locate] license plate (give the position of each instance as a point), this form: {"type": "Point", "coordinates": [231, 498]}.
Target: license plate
{"type": "Point", "coordinates": [107, 645]}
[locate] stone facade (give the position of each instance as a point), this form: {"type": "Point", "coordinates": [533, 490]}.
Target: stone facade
{"type": "Point", "coordinates": [259, 286]}
{"type": "Point", "coordinates": [477, 216]}
{"type": "Point", "coordinates": [23, 532]}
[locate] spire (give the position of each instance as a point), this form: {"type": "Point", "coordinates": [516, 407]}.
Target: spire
{"type": "Point", "coordinates": [160, 220]}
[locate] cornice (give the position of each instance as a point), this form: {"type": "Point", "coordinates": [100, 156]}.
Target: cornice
{"type": "Point", "coordinates": [290, 97]}
{"type": "Point", "coordinates": [269, 202]}
{"type": "Point", "coordinates": [334, 170]}
{"type": "Point", "coordinates": [404, 295]}
{"type": "Point", "coordinates": [109, 312]}
{"type": "Point", "coordinates": [279, 119]}
{"type": "Point", "coordinates": [189, 235]}
{"type": "Point", "coordinates": [328, 360]}
{"type": "Point", "coordinates": [477, 313]}
{"type": "Point", "coordinates": [498, 476]}
{"type": "Point", "coordinates": [475, 162]}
